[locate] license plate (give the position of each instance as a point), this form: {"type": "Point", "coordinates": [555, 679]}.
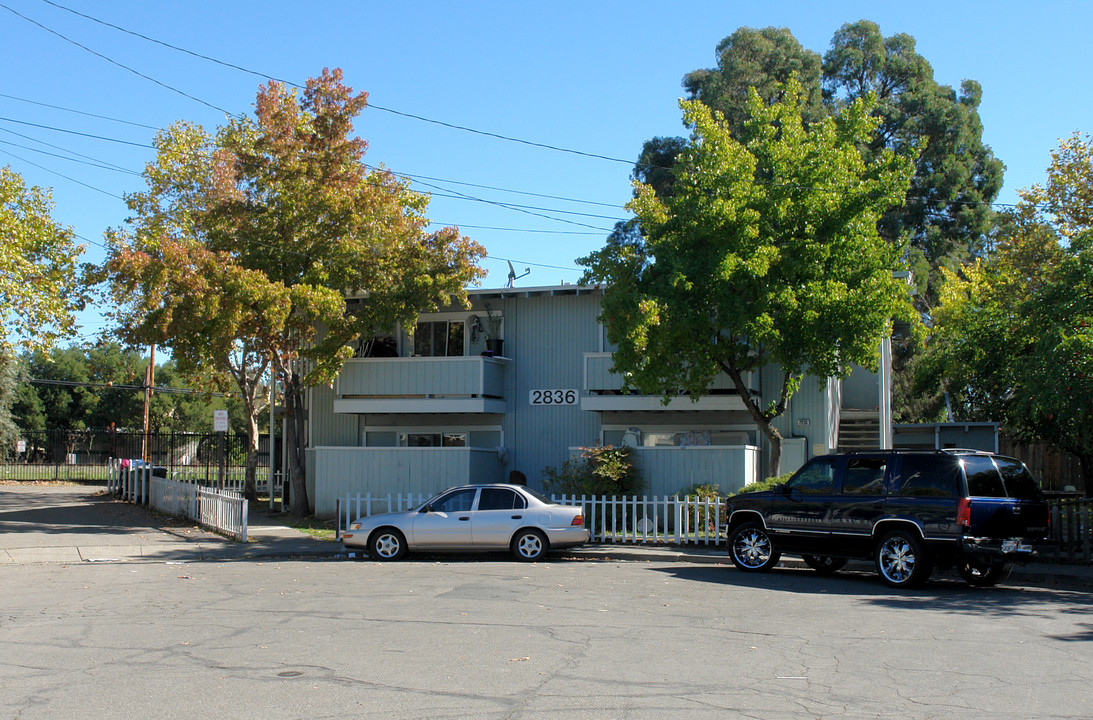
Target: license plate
{"type": "Point", "coordinates": [1015, 546]}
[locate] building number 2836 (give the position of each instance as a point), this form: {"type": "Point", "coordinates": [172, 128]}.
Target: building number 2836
{"type": "Point", "coordinates": [554, 397]}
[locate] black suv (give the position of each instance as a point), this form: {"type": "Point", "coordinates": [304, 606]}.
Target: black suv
{"type": "Point", "coordinates": [908, 510]}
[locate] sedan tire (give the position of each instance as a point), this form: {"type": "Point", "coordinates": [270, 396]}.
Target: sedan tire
{"type": "Point", "coordinates": [901, 560]}
{"type": "Point", "coordinates": [529, 545]}
{"type": "Point", "coordinates": [387, 544]}
{"type": "Point", "coordinates": [751, 549]}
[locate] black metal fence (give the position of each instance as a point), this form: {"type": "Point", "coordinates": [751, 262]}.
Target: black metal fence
{"type": "Point", "coordinates": [82, 455]}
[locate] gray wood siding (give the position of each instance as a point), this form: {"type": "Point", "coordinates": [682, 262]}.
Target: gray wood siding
{"type": "Point", "coordinates": [669, 470]}
{"type": "Point", "coordinates": [547, 336]}
{"type": "Point", "coordinates": [326, 427]}
{"type": "Point", "coordinates": [397, 470]}
{"type": "Point", "coordinates": [598, 375]}
{"type": "Point", "coordinates": [421, 376]}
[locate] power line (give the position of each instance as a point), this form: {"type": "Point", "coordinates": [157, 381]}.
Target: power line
{"type": "Point", "coordinates": [519, 230]}
{"type": "Point", "coordinates": [116, 386]}
{"type": "Point", "coordinates": [70, 159]}
{"type": "Point", "coordinates": [266, 76]}
{"type": "Point", "coordinates": [79, 112]}
{"type": "Point", "coordinates": [75, 132]}
{"type": "Point", "coordinates": [67, 150]}
{"type": "Point", "coordinates": [66, 177]}
{"type": "Point", "coordinates": [115, 62]}
{"type": "Point", "coordinates": [499, 189]}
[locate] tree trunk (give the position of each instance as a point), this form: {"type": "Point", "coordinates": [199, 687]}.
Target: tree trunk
{"type": "Point", "coordinates": [250, 488]}
{"type": "Point", "coordinates": [297, 443]}
{"type": "Point", "coordinates": [763, 419]}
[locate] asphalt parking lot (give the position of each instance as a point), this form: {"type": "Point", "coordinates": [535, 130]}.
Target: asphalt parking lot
{"type": "Point", "coordinates": [590, 634]}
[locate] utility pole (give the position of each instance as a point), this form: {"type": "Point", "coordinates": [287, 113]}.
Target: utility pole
{"type": "Point", "coordinates": [149, 381]}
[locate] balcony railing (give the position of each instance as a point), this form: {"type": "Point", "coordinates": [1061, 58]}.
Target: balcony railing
{"type": "Point", "coordinates": [422, 384]}
{"type": "Point", "coordinates": [604, 391]}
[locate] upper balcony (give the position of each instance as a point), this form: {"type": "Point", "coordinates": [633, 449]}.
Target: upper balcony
{"type": "Point", "coordinates": [422, 385]}
{"type": "Point", "coordinates": [604, 392]}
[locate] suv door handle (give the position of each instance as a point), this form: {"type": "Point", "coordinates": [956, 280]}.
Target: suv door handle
{"type": "Point", "coordinates": [465, 518]}
{"type": "Point", "coordinates": [517, 517]}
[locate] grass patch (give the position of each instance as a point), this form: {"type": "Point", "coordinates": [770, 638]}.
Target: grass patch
{"type": "Point", "coordinates": [313, 527]}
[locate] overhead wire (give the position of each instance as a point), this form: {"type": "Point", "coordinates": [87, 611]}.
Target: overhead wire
{"type": "Point", "coordinates": [115, 62]}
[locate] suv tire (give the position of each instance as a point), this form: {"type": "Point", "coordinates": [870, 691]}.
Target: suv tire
{"type": "Point", "coordinates": [751, 549]}
{"type": "Point", "coordinates": [824, 564]}
{"type": "Point", "coordinates": [901, 559]}
{"type": "Point", "coordinates": [984, 574]}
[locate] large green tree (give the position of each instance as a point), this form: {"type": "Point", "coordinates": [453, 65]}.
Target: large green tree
{"type": "Point", "coordinates": [40, 288]}
{"type": "Point", "coordinates": [765, 253]}
{"type": "Point", "coordinates": [242, 250]}
{"type": "Point", "coordinates": [1014, 339]}
{"type": "Point", "coordinates": [946, 214]}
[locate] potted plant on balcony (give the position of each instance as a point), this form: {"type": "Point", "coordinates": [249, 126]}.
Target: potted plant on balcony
{"type": "Point", "coordinates": [494, 343]}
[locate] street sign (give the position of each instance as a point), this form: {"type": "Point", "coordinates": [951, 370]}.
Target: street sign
{"type": "Point", "coordinates": [220, 420]}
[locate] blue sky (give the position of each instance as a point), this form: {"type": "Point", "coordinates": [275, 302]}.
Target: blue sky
{"type": "Point", "coordinates": [595, 77]}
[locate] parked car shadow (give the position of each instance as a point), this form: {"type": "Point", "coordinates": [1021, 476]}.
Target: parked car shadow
{"type": "Point", "coordinates": [946, 591]}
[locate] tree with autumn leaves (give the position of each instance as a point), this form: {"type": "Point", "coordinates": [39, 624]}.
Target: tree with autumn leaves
{"type": "Point", "coordinates": [1014, 334]}
{"type": "Point", "coordinates": [242, 250]}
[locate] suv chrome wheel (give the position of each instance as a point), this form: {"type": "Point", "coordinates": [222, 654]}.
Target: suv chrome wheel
{"type": "Point", "coordinates": [900, 560]}
{"type": "Point", "coordinates": [751, 548]}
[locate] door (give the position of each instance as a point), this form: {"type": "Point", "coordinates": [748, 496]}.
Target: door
{"type": "Point", "coordinates": [500, 513]}
{"type": "Point", "coordinates": [859, 504]}
{"type": "Point", "coordinates": [446, 522]}
{"type": "Point", "coordinates": [799, 515]}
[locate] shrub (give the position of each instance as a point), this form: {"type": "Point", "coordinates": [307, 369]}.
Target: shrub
{"type": "Point", "coordinates": [600, 470]}
{"type": "Point", "coordinates": [764, 484]}
{"type": "Point", "coordinates": [700, 518]}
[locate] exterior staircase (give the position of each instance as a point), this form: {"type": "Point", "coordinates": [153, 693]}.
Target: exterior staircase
{"type": "Point", "coordinates": [859, 430]}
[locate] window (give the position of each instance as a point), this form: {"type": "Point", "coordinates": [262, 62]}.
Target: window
{"type": "Point", "coordinates": [440, 338]}
{"type": "Point", "coordinates": [864, 476]}
{"type": "Point", "coordinates": [453, 502]}
{"type": "Point", "coordinates": [433, 439]}
{"type": "Point", "coordinates": [816, 478]}
{"type": "Point", "coordinates": [1019, 481]}
{"type": "Point", "coordinates": [499, 499]}
{"type": "Point", "coordinates": [927, 476]}
{"type": "Point", "coordinates": [983, 477]}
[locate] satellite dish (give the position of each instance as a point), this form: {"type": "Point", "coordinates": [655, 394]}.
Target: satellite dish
{"type": "Point", "coordinates": [513, 277]}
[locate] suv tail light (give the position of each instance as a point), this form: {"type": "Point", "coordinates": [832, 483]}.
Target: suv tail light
{"type": "Point", "coordinates": [964, 512]}
{"type": "Point", "coordinates": [578, 519]}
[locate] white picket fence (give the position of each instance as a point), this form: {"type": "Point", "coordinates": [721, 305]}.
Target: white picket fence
{"type": "Point", "coordinates": [673, 519]}
{"type": "Point", "coordinates": [224, 511]}
{"type": "Point", "coordinates": [615, 519]}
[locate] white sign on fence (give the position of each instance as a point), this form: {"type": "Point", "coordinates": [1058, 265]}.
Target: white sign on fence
{"type": "Point", "coordinates": [220, 420]}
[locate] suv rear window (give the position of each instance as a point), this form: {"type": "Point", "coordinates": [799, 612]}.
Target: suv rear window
{"type": "Point", "coordinates": [983, 477]}
{"type": "Point", "coordinates": [1018, 480]}
{"type": "Point", "coordinates": [927, 476]}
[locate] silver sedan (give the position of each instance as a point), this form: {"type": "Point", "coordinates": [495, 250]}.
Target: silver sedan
{"type": "Point", "coordinates": [472, 517]}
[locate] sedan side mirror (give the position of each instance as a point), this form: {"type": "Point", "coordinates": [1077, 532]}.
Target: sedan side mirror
{"type": "Point", "coordinates": [426, 509]}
